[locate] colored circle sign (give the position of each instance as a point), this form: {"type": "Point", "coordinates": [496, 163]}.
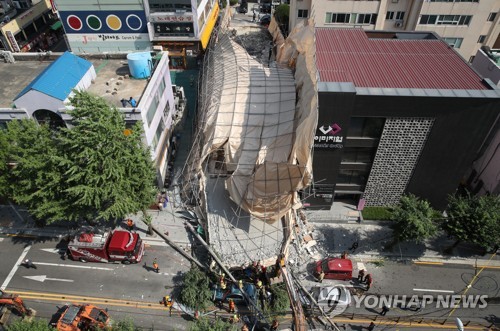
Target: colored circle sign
{"type": "Point", "coordinates": [94, 22]}
{"type": "Point", "coordinates": [114, 22]}
{"type": "Point", "coordinates": [74, 22]}
{"type": "Point", "coordinates": [134, 22]}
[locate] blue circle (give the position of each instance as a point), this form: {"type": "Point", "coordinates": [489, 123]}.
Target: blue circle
{"type": "Point", "coordinates": [134, 22]}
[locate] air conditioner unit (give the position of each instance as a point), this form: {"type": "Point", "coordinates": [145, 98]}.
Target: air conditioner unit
{"type": "Point", "coordinates": [398, 24]}
{"type": "Point", "coordinates": [158, 48]}
{"type": "Point", "coordinates": [189, 52]}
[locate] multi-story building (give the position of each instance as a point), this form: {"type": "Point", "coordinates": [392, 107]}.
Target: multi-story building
{"type": "Point", "coordinates": [466, 25]}
{"type": "Point", "coordinates": [398, 113]}
{"type": "Point", "coordinates": [130, 25]}
{"type": "Point", "coordinates": [40, 90]}
{"type": "Point", "coordinates": [27, 26]}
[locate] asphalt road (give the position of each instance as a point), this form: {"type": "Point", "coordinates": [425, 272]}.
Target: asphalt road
{"type": "Point", "coordinates": [128, 291]}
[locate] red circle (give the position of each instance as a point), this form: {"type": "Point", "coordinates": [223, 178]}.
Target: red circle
{"type": "Point", "coordinates": [74, 22]}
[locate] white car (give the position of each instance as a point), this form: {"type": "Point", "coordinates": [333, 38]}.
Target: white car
{"type": "Point", "coordinates": [334, 300]}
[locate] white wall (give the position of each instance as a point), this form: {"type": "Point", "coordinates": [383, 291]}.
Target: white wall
{"type": "Point", "coordinates": [161, 71]}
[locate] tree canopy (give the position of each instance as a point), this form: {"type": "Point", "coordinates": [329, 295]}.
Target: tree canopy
{"type": "Point", "coordinates": [413, 219]}
{"type": "Point", "coordinates": [195, 292]}
{"type": "Point", "coordinates": [4, 160]}
{"type": "Point", "coordinates": [205, 324]}
{"type": "Point", "coordinates": [474, 219]}
{"type": "Point", "coordinates": [96, 170]}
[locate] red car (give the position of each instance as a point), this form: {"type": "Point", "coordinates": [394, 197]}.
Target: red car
{"type": "Point", "coordinates": [335, 268]}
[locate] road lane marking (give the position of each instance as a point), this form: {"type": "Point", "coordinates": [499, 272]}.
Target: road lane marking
{"type": "Point", "coordinates": [71, 266]}
{"type": "Point", "coordinates": [428, 262]}
{"type": "Point", "coordinates": [427, 290]}
{"type": "Point", "coordinates": [53, 250]}
{"type": "Point", "coordinates": [43, 278]}
{"type": "Point", "coordinates": [95, 300]}
{"type": "Point", "coordinates": [14, 269]}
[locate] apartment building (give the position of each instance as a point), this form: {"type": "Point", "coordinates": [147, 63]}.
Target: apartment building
{"type": "Point", "coordinates": [466, 25]}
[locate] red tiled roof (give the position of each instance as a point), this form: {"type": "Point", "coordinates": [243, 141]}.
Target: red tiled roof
{"type": "Point", "coordinates": [348, 55]}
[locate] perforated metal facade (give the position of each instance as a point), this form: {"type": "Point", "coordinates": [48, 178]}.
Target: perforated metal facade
{"type": "Point", "coordinates": [398, 151]}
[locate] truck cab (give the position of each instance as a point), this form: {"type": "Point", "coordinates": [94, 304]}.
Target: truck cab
{"type": "Point", "coordinates": [107, 246]}
{"type": "Point", "coordinates": [83, 318]}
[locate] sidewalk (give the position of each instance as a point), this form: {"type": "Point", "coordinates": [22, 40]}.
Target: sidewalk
{"type": "Point", "coordinates": [335, 235]}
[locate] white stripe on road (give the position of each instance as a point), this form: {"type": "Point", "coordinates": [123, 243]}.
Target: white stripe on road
{"type": "Point", "coordinates": [71, 266]}
{"type": "Point", "coordinates": [427, 290]}
{"type": "Point", "coordinates": [14, 269]}
{"type": "Point", "coordinates": [155, 243]}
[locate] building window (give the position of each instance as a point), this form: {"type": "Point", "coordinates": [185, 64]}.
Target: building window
{"type": "Point", "coordinates": [358, 154]}
{"type": "Point", "coordinates": [398, 15]}
{"type": "Point", "coordinates": [454, 42]}
{"type": "Point", "coordinates": [471, 59]}
{"type": "Point", "coordinates": [366, 18]}
{"type": "Point", "coordinates": [337, 18]}
{"type": "Point", "coordinates": [491, 17]}
{"type": "Point", "coordinates": [152, 110]}
{"type": "Point", "coordinates": [366, 127]}
{"type": "Point", "coordinates": [445, 19]}
{"type": "Point", "coordinates": [353, 177]}
{"type": "Point", "coordinates": [302, 13]}
{"type": "Point", "coordinates": [481, 39]}
{"type": "Point", "coordinates": [161, 87]}
{"type": "Point", "coordinates": [157, 136]}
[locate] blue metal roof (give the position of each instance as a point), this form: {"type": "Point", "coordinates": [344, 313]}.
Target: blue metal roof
{"type": "Point", "coordinates": [60, 77]}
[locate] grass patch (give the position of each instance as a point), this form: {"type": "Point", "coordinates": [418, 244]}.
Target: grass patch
{"type": "Point", "coordinates": [377, 213]}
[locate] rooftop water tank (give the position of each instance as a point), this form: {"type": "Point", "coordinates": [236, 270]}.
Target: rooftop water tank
{"type": "Point", "coordinates": [140, 64]}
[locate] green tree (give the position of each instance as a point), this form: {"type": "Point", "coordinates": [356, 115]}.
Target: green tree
{"type": "Point", "coordinates": [282, 13]}
{"type": "Point", "coordinates": [205, 324]}
{"type": "Point", "coordinates": [281, 300]}
{"type": "Point", "coordinates": [4, 160]}
{"type": "Point", "coordinates": [195, 292]}
{"type": "Point", "coordinates": [413, 219]}
{"type": "Point", "coordinates": [125, 325]}
{"type": "Point", "coordinates": [35, 180]}
{"type": "Point", "coordinates": [95, 170]}
{"type": "Point", "coordinates": [474, 219]}
{"type": "Point", "coordinates": [108, 171]}
{"type": "Point", "coordinates": [32, 325]}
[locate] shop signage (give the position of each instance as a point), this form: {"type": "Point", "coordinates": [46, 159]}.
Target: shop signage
{"type": "Point", "coordinates": [171, 18]}
{"type": "Point", "coordinates": [13, 41]}
{"type": "Point", "coordinates": [106, 37]}
{"type": "Point", "coordinates": [328, 137]}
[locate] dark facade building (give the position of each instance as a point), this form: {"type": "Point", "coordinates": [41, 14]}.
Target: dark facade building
{"type": "Point", "coordinates": [398, 113]}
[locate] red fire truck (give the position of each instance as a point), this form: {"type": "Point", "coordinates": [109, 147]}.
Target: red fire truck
{"type": "Point", "coordinates": [106, 246]}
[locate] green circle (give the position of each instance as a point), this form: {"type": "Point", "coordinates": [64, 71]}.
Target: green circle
{"type": "Point", "coordinates": [94, 22]}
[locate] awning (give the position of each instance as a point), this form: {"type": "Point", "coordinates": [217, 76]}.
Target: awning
{"type": "Point", "coordinates": [56, 25]}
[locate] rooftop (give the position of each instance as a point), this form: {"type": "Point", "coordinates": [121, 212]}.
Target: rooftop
{"type": "Point", "coordinates": [111, 83]}
{"type": "Point", "coordinates": [17, 76]}
{"type": "Point", "coordinates": [391, 60]}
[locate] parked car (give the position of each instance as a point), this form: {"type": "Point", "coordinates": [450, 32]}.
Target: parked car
{"type": "Point", "coordinates": [265, 20]}
{"type": "Point", "coordinates": [233, 292]}
{"type": "Point", "coordinates": [335, 268]}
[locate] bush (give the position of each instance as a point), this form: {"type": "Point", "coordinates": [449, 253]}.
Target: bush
{"type": "Point", "coordinates": [377, 213]}
{"type": "Point", "coordinates": [233, 2]}
{"type": "Point", "coordinates": [33, 325]}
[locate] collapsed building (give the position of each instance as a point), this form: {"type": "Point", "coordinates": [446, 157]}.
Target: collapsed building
{"type": "Point", "coordinates": [252, 146]}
